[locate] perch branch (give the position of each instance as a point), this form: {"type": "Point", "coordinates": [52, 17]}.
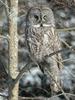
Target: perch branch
{"type": "Point", "coordinates": [28, 66]}
{"type": "Point", "coordinates": [58, 85]}
{"type": "Point", "coordinates": [66, 29]}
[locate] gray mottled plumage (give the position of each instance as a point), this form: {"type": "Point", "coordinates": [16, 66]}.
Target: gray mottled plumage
{"type": "Point", "coordinates": [42, 38]}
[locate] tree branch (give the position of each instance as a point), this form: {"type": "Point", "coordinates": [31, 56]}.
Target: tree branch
{"type": "Point", "coordinates": [58, 85]}
{"type": "Point", "coordinates": [65, 29]}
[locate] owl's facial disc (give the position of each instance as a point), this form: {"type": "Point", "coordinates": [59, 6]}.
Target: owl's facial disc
{"type": "Point", "coordinates": [40, 18]}
{"type": "Point", "coordinates": [34, 17]}
{"type": "Point", "coordinates": [47, 17]}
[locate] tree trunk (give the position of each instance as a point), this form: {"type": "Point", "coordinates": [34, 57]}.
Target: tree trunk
{"type": "Point", "coordinates": [13, 48]}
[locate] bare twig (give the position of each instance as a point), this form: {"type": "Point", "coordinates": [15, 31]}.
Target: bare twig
{"type": "Point", "coordinates": [65, 43]}
{"type": "Point", "coordinates": [69, 60]}
{"type": "Point", "coordinates": [6, 6]}
{"type": "Point", "coordinates": [5, 37]}
{"type": "Point", "coordinates": [43, 98]}
{"type": "Point", "coordinates": [71, 49]}
{"type": "Point", "coordinates": [4, 96]}
{"type": "Point", "coordinates": [24, 69]}
{"type": "Point", "coordinates": [58, 61]}
{"type": "Point", "coordinates": [66, 29]}
{"type": "Point", "coordinates": [58, 85]}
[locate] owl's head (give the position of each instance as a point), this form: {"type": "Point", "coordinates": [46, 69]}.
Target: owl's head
{"type": "Point", "coordinates": [40, 17]}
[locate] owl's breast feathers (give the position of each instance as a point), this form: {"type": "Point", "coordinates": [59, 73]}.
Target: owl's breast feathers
{"type": "Point", "coordinates": [41, 42]}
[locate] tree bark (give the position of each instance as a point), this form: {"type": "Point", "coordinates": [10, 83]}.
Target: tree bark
{"type": "Point", "coordinates": [13, 48]}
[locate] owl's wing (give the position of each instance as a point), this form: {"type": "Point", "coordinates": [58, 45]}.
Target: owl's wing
{"type": "Point", "coordinates": [58, 55]}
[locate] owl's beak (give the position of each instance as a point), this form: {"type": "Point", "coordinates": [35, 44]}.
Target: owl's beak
{"type": "Point", "coordinates": [41, 25]}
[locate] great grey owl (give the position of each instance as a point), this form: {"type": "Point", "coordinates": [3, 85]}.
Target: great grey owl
{"type": "Point", "coordinates": [42, 38]}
